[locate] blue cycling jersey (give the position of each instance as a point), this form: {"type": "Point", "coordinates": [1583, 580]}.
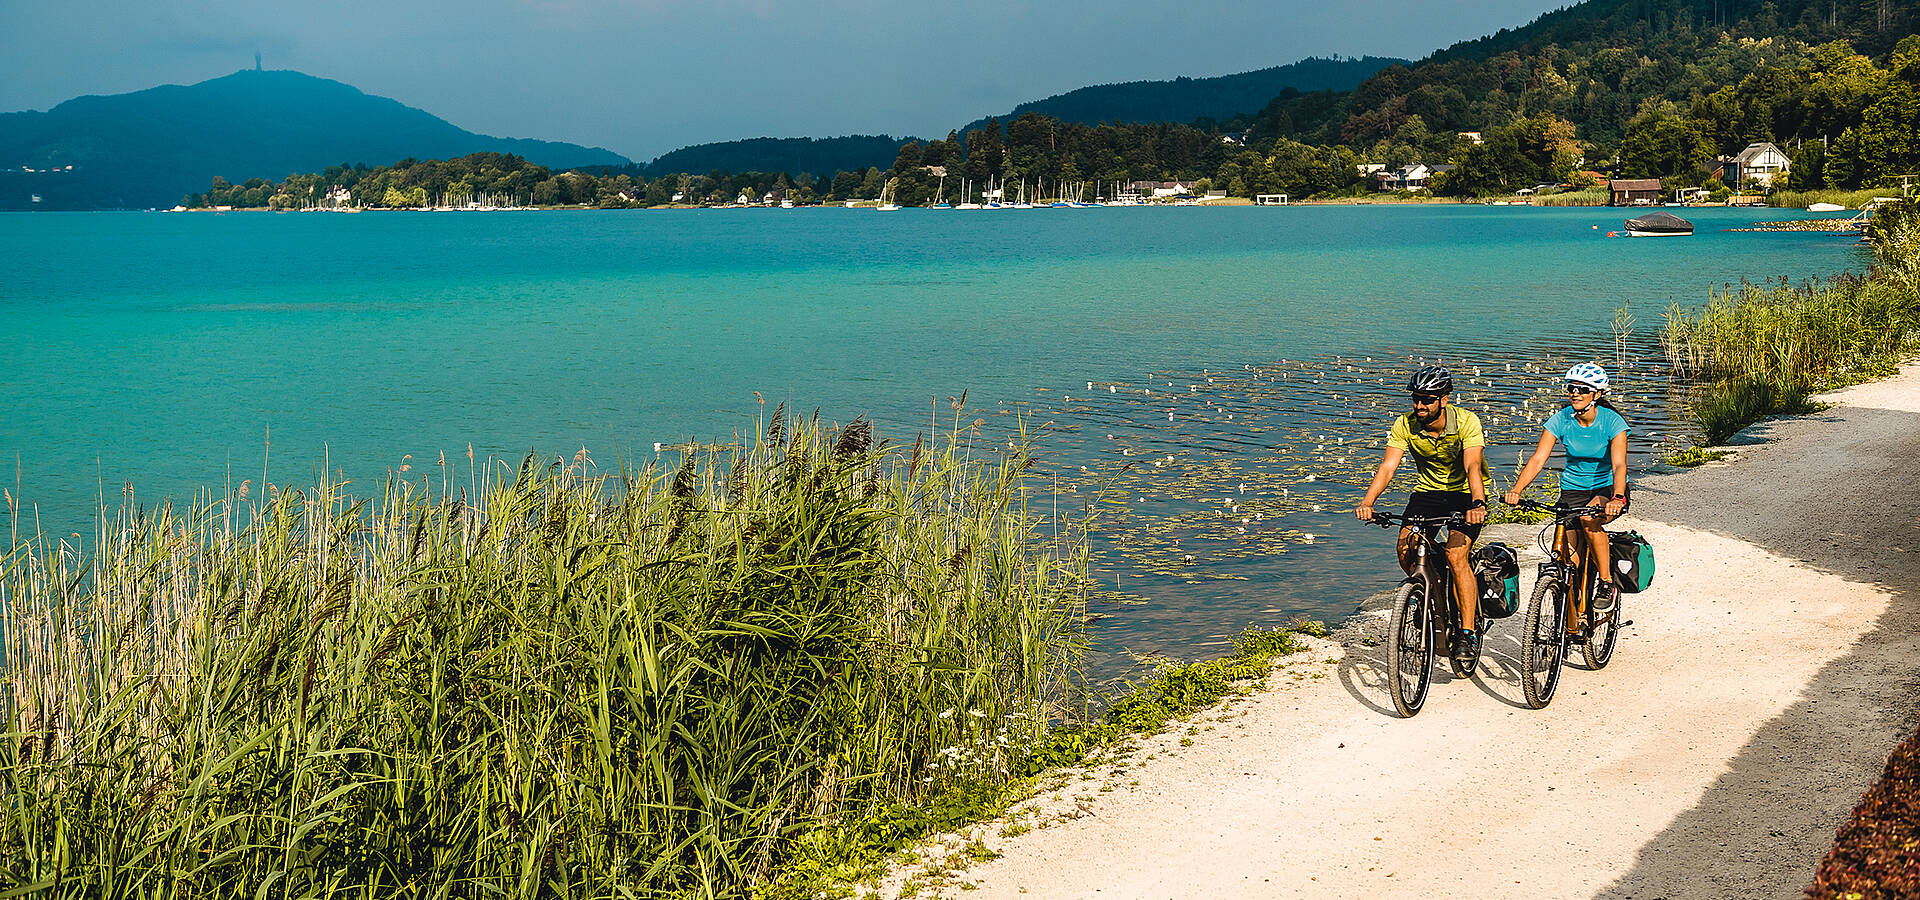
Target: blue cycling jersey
{"type": "Point", "coordinates": [1588, 468]}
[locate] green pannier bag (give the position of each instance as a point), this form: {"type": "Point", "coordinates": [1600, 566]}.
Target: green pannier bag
{"type": "Point", "coordinates": [1632, 560]}
{"type": "Point", "coordinates": [1498, 568]}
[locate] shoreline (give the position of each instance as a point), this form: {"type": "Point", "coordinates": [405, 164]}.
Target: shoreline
{"type": "Point", "coordinates": [1770, 671]}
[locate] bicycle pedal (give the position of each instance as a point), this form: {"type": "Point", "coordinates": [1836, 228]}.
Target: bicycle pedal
{"type": "Point", "coordinates": [1624, 624]}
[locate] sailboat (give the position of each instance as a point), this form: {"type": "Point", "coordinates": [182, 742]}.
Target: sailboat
{"type": "Point", "coordinates": [940, 195]}
{"type": "Point", "coordinates": [966, 196]}
{"type": "Point", "coordinates": [886, 200]}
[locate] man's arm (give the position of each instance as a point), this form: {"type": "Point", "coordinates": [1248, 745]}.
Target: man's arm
{"type": "Point", "coordinates": [1475, 459]}
{"type": "Point", "coordinates": [1382, 476]}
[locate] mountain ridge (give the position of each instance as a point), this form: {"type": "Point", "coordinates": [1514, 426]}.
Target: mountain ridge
{"type": "Point", "coordinates": [148, 148]}
{"type": "Point", "coordinates": [1187, 99]}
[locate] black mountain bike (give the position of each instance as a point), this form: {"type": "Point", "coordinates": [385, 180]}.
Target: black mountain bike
{"type": "Point", "coordinates": [1559, 614]}
{"type": "Point", "coordinates": [1424, 613]}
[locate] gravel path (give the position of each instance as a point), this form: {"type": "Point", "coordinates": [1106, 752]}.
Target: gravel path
{"type": "Point", "coordinates": [1769, 671]}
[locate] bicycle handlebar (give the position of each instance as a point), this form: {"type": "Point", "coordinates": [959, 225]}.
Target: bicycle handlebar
{"type": "Point", "coordinates": [1388, 520]}
{"type": "Point", "coordinates": [1559, 513]}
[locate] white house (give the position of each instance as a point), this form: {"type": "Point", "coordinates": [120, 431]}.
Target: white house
{"type": "Point", "coordinates": [1760, 163]}
{"type": "Point", "coordinates": [1406, 178]}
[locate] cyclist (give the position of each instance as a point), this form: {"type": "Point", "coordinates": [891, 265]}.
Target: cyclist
{"type": "Point", "coordinates": [1595, 473]}
{"type": "Point", "coordinates": [1448, 448]}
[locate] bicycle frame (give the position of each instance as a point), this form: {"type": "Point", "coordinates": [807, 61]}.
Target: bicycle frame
{"type": "Point", "coordinates": [1575, 577]}
{"type": "Point", "coordinates": [1566, 578]}
{"type": "Point", "coordinates": [1431, 569]}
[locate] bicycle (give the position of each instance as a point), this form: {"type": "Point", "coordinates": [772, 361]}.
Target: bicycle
{"type": "Point", "coordinates": [1416, 619]}
{"type": "Point", "coordinates": [1555, 607]}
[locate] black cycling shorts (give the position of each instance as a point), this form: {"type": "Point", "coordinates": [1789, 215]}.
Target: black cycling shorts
{"type": "Point", "coordinates": [1443, 503]}
{"type": "Point", "coordinates": [1571, 499]}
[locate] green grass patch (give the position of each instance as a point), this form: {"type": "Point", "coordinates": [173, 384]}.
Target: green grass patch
{"type": "Point", "coordinates": [1722, 409]}
{"type": "Point", "coordinates": [1694, 456]}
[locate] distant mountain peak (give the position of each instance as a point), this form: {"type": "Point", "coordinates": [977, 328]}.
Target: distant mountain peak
{"type": "Point", "coordinates": [147, 148]}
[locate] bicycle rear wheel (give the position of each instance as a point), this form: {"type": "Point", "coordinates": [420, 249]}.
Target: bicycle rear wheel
{"type": "Point", "coordinates": [1410, 648]}
{"type": "Point", "coordinates": [1545, 637]}
{"type": "Point", "coordinates": [1603, 631]}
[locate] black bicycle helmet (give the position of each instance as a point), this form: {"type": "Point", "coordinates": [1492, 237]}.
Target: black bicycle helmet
{"type": "Point", "coordinates": [1431, 380]}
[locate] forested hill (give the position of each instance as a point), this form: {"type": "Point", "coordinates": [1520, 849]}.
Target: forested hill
{"type": "Point", "coordinates": [150, 148]}
{"type": "Point", "coordinates": [1190, 99]}
{"type": "Point", "coordinates": [1598, 65]}
{"type": "Point", "coordinates": [819, 157]}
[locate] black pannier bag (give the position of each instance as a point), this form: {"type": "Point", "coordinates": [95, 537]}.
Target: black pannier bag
{"type": "Point", "coordinates": [1498, 568]}
{"type": "Point", "coordinates": [1632, 560]}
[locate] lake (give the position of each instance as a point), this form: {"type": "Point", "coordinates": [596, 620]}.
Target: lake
{"type": "Point", "coordinates": [1251, 352]}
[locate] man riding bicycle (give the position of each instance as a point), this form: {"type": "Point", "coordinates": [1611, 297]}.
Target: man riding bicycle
{"type": "Point", "coordinates": [1448, 448]}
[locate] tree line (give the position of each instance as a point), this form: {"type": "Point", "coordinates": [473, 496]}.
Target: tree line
{"type": "Point", "coordinates": [1544, 116]}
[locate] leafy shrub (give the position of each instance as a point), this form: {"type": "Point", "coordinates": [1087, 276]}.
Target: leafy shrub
{"type": "Point", "coordinates": [1876, 855]}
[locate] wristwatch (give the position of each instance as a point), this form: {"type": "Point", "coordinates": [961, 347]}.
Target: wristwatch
{"type": "Point", "coordinates": [1477, 504]}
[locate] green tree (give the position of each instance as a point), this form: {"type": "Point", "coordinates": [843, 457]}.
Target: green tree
{"type": "Point", "coordinates": [1660, 144]}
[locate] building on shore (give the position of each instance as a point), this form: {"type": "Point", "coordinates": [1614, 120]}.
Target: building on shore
{"type": "Point", "coordinates": [1758, 165]}
{"type": "Point", "coordinates": [1634, 192]}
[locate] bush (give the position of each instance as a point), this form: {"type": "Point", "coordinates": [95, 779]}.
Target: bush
{"type": "Point", "coordinates": [1876, 855]}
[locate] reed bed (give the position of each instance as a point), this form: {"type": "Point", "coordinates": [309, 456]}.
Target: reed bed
{"type": "Point", "coordinates": [1587, 197]}
{"type": "Point", "coordinates": [1804, 199]}
{"type": "Point", "coordinates": [1760, 349]}
{"type": "Point", "coordinates": [541, 681]}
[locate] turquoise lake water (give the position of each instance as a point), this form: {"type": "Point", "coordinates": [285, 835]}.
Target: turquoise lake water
{"type": "Point", "coordinates": [160, 351]}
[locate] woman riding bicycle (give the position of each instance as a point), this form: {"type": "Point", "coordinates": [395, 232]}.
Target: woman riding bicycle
{"type": "Point", "coordinates": [1595, 474]}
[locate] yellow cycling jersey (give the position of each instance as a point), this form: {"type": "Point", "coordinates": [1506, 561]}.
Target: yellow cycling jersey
{"type": "Point", "coordinates": [1442, 459]}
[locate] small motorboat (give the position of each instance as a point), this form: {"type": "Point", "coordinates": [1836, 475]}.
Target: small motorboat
{"type": "Point", "coordinates": [1825, 207]}
{"type": "Point", "coordinates": [1658, 224]}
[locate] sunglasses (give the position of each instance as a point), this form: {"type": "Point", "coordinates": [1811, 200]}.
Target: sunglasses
{"type": "Point", "coordinates": [1579, 389]}
{"type": "Point", "coordinates": [1424, 399]}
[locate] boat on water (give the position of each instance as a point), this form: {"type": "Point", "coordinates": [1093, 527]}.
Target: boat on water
{"type": "Point", "coordinates": [1658, 224]}
{"type": "Point", "coordinates": [1825, 207]}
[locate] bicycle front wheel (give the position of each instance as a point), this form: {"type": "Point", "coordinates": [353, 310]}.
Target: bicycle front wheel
{"type": "Point", "coordinates": [1545, 637]}
{"type": "Point", "coordinates": [1410, 648]}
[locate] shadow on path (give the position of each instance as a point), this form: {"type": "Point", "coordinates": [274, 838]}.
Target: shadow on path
{"type": "Point", "coordinates": [1838, 494]}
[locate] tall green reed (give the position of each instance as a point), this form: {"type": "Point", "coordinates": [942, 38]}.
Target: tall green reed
{"type": "Point", "coordinates": [1760, 349]}
{"type": "Point", "coordinates": [544, 681]}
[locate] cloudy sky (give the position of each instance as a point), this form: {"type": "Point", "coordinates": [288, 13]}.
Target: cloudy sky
{"type": "Point", "coordinates": [642, 77]}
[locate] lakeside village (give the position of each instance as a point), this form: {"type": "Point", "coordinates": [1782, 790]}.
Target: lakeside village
{"type": "Point", "coordinates": [1746, 178]}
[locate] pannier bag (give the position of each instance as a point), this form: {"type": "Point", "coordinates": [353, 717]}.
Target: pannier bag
{"type": "Point", "coordinates": [1498, 568]}
{"type": "Point", "coordinates": [1632, 560]}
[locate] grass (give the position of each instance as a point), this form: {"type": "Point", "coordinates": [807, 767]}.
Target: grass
{"type": "Point", "coordinates": [1694, 456]}
{"type": "Point", "coordinates": [1848, 199]}
{"type": "Point", "coordinates": [532, 681]}
{"type": "Point", "coordinates": [1760, 350]}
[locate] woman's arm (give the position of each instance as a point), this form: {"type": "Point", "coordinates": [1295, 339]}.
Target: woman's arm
{"type": "Point", "coordinates": [1541, 453]}
{"type": "Point", "coordinates": [1617, 449]}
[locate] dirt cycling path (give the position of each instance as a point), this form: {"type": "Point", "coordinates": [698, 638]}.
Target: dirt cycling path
{"type": "Point", "coordinates": [1767, 675]}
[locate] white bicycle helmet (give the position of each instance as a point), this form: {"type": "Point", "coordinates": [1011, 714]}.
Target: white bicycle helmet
{"type": "Point", "coordinates": [1588, 374]}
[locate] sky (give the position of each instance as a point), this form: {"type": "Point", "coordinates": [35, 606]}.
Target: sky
{"type": "Point", "coordinates": [643, 77]}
